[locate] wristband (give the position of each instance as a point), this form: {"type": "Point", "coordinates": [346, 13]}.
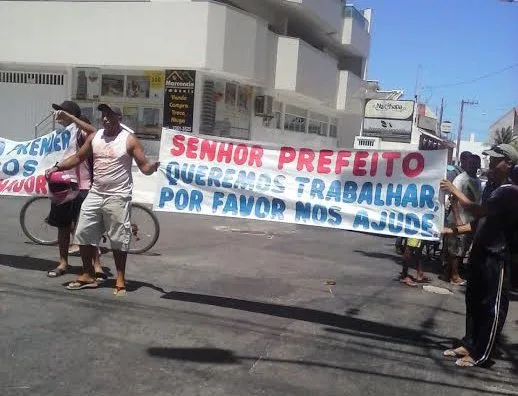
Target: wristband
{"type": "Point", "coordinates": [455, 230]}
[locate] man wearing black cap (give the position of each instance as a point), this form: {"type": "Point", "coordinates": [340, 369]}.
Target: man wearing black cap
{"type": "Point", "coordinates": [107, 207]}
{"type": "Point", "coordinates": [487, 298]}
{"type": "Point", "coordinates": [64, 216]}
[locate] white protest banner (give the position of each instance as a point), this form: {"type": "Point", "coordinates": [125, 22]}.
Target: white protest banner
{"type": "Point", "coordinates": [23, 164]}
{"type": "Point", "coordinates": [382, 192]}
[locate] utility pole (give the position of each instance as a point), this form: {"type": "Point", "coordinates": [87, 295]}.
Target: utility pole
{"type": "Point", "coordinates": [441, 112]}
{"type": "Point", "coordinates": [462, 103]}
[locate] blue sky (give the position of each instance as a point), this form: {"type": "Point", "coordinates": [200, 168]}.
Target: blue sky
{"type": "Point", "coordinates": [453, 41]}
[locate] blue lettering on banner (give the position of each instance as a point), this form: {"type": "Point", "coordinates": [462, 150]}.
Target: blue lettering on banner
{"type": "Point", "coordinates": [30, 167]}
{"type": "Point", "coordinates": [56, 141]}
{"type": "Point", "coordinates": [182, 199]}
{"type": "Point", "coordinates": [230, 178]}
{"type": "Point", "coordinates": [11, 167]}
{"type": "Point", "coordinates": [317, 214]}
{"type": "Point", "coordinates": [411, 222]}
{"type": "Point", "coordinates": [248, 206]}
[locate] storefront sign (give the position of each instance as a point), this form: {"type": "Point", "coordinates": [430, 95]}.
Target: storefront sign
{"type": "Point", "coordinates": [388, 130]}
{"type": "Point", "coordinates": [179, 99]}
{"type": "Point", "coordinates": [390, 109]}
{"type": "Point", "coordinates": [382, 192]}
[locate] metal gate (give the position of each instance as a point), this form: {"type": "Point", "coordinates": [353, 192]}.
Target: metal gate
{"type": "Point", "coordinates": [25, 100]}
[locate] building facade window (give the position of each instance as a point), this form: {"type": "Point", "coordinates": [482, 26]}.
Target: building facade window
{"type": "Point", "coordinates": [225, 108]}
{"type": "Point", "coordinates": [295, 119]}
{"type": "Point", "coordinates": [139, 94]}
{"type": "Point", "coordinates": [333, 127]}
{"type": "Point", "coordinates": [318, 124]}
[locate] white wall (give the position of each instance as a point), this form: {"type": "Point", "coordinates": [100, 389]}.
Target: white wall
{"type": "Point", "coordinates": [316, 74]}
{"type": "Point", "coordinates": [144, 34]}
{"type": "Point", "coordinates": [356, 37]}
{"type": "Point", "coordinates": [278, 137]}
{"type": "Point", "coordinates": [301, 68]}
{"type": "Point", "coordinates": [22, 106]}
{"type": "Point", "coordinates": [329, 11]}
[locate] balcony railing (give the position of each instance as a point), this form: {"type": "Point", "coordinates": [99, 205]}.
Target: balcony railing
{"type": "Point", "coordinates": [350, 11]}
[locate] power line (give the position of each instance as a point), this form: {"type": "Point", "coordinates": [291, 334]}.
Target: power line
{"type": "Point", "coordinates": [474, 79]}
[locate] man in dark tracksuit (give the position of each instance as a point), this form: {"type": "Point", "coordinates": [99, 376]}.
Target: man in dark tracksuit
{"type": "Point", "coordinates": [487, 290]}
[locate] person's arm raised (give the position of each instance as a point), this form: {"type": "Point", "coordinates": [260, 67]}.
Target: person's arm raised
{"type": "Point", "coordinates": [84, 126]}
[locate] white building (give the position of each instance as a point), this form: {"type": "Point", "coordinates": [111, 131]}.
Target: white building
{"type": "Point", "coordinates": [475, 147]}
{"type": "Point", "coordinates": [282, 71]}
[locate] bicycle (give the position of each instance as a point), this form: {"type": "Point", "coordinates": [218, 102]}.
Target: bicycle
{"type": "Point", "coordinates": [36, 209]}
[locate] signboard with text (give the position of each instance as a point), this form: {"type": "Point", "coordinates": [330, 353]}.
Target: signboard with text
{"type": "Point", "coordinates": [179, 99]}
{"type": "Point", "coordinates": [381, 192]}
{"type": "Point", "coordinates": [389, 120]}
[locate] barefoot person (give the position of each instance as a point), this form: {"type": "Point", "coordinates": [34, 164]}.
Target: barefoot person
{"type": "Point", "coordinates": [107, 207]}
{"type": "Point", "coordinates": [487, 300]}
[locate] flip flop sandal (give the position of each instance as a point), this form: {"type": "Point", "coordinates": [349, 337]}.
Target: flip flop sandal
{"type": "Point", "coordinates": [409, 282]}
{"type": "Point", "coordinates": [57, 272]}
{"type": "Point", "coordinates": [119, 291]}
{"type": "Point", "coordinates": [462, 283]}
{"type": "Point", "coordinates": [100, 277]}
{"type": "Point", "coordinates": [78, 285]}
{"type": "Point", "coordinates": [424, 280]}
{"type": "Point", "coordinates": [452, 353]}
{"type": "Point", "coordinates": [465, 362]}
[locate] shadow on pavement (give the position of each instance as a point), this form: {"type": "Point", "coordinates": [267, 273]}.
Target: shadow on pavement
{"type": "Point", "coordinates": [224, 356]}
{"type": "Point", "coordinates": [431, 265]}
{"type": "Point", "coordinates": [131, 285]}
{"type": "Point", "coordinates": [37, 264]}
{"type": "Point", "coordinates": [404, 335]}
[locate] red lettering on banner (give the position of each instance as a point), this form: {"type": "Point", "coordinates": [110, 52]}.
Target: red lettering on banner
{"type": "Point", "coordinates": [240, 154]}
{"type": "Point", "coordinates": [192, 146]}
{"type": "Point", "coordinates": [225, 152]}
{"type": "Point", "coordinates": [3, 184]}
{"type": "Point", "coordinates": [419, 159]}
{"type": "Point", "coordinates": [341, 161]}
{"type": "Point", "coordinates": [208, 149]}
{"type": "Point", "coordinates": [390, 157]}
{"type": "Point", "coordinates": [256, 155]}
{"type": "Point", "coordinates": [306, 157]}
{"type": "Point", "coordinates": [324, 161]}
{"type": "Point", "coordinates": [29, 185]}
{"type": "Point", "coordinates": [359, 163]}
{"type": "Point", "coordinates": [41, 185]}
{"type": "Point", "coordinates": [18, 185]}
{"type": "Point", "coordinates": [374, 164]}
{"type": "Point", "coordinates": [286, 155]}
{"type": "Point", "coordinates": [178, 145]}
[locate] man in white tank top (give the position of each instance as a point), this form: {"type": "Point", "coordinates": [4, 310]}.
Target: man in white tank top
{"type": "Point", "coordinates": [107, 207]}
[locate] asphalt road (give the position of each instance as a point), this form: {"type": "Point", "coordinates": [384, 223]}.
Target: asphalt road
{"type": "Point", "coordinates": [224, 307]}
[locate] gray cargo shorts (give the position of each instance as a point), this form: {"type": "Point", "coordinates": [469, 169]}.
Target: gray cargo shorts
{"type": "Point", "coordinates": [102, 214]}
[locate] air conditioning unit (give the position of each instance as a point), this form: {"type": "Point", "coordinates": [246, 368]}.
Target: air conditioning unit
{"type": "Point", "coordinates": [264, 106]}
{"type": "Point", "coordinates": [367, 143]}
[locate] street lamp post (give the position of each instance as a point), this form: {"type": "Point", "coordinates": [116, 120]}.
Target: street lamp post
{"type": "Point", "coordinates": [459, 133]}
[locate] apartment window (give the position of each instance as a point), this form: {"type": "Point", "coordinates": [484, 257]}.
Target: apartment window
{"type": "Point", "coordinates": [225, 109]}
{"type": "Point", "coordinates": [333, 127]}
{"type": "Point", "coordinates": [318, 124]}
{"type": "Point", "coordinates": [295, 119]}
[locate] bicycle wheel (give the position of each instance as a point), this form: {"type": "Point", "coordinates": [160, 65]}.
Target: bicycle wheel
{"type": "Point", "coordinates": [32, 221]}
{"type": "Point", "coordinates": [145, 229]}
